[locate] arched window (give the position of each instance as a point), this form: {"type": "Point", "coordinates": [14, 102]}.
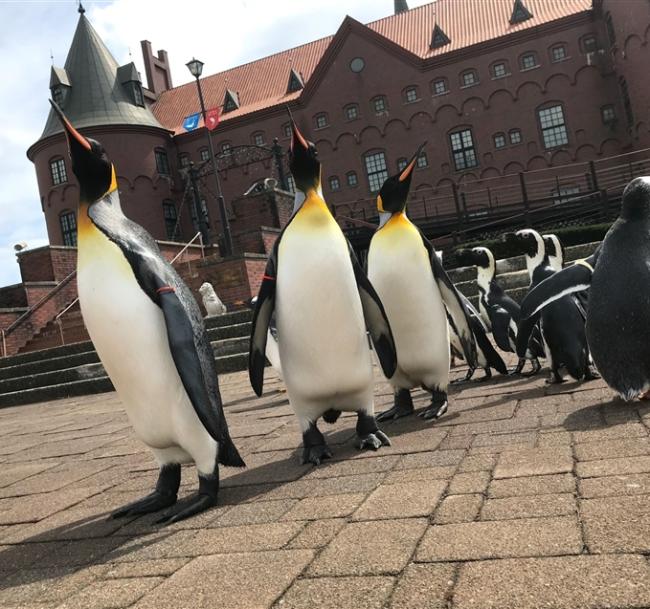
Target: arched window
{"type": "Point", "coordinates": [335, 183]}
{"type": "Point", "coordinates": [558, 53]}
{"type": "Point", "coordinates": [589, 43]}
{"type": "Point", "coordinates": [401, 163]}
{"type": "Point", "coordinates": [552, 126]}
{"type": "Point", "coordinates": [379, 104]}
{"type": "Point", "coordinates": [320, 120]}
{"type": "Point", "coordinates": [184, 160]}
{"type": "Point", "coordinates": [422, 161]}
{"type": "Point", "coordinates": [257, 138]}
{"type": "Point", "coordinates": [352, 179]}
{"type": "Point", "coordinates": [499, 140]}
{"type": "Point", "coordinates": [57, 171]}
{"type": "Point", "coordinates": [608, 114]}
{"type": "Point", "coordinates": [469, 78]}
{"type": "Point", "coordinates": [286, 129]}
{"type": "Point", "coordinates": [172, 229]}
{"type": "Point", "coordinates": [204, 154]}
{"type": "Point", "coordinates": [500, 69]}
{"type": "Point", "coordinates": [528, 61]}
{"type": "Point", "coordinates": [351, 112]}
{"type": "Point", "coordinates": [162, 162]}
{"type": "Point", "coordinates": [515, 136]}
{"type": "Point", "coordinates": [68, 222]}
{"type": "Point", "coordinates": [376, 169]}
{"type": "Point", "coordinates": [226, 147]}
{"type": "Point", "coordinates": [410, 94]}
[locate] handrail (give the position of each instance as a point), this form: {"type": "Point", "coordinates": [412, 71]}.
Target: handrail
{"type": "Point", "coordinates": [200, 238]}
{"type": "Point", "coordinates": [74, 302]}
{"type": "Point", "coordinates": [4, 344]}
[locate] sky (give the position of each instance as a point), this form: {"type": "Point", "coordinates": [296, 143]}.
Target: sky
{"type": "Point", "coordinates": [222, 33]}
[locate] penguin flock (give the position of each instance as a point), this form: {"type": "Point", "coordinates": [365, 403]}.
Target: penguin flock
{"type": "Point", "coordinates": [318, 312]}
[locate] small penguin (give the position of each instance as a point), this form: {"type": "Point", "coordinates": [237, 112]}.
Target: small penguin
{"type": "Point", "coordinates": [417, 293]}
{"type": "Point", "coordinates": [617, 276]}
{"type": "Point", "coordinates": [149, 334]}
{"type": "Point", "coordinates": [562, 323]}
{"type": "Point", "coordinates": [499, 312]}
{"type": "Point", "coordinates": [322, 302]}
{"type": "Point", "coordinates": [211, 301]}
{"type": "Point", "coordinates": [554, 251]}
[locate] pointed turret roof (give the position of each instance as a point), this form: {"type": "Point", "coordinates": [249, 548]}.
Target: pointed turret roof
{"type": "Point", "coordinates": [96, 96]}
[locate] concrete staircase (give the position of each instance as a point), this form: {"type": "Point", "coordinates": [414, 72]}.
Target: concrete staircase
{"type": "Point", "coordinates": [75, 369]}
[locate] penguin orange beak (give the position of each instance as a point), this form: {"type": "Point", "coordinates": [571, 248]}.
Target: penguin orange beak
{"type": "Point", "coordinates": [297, 139]}
{"type": "Point", "coordinates": [72, 135]}
{"type": "Point", "coordinates": [408, 170]}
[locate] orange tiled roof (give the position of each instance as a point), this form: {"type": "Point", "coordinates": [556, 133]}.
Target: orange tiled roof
{"type": "Point", "coordinates": [263, 83]}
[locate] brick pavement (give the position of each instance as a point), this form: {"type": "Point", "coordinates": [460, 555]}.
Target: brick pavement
{"type": "Point", "coordinates": [522, 496]}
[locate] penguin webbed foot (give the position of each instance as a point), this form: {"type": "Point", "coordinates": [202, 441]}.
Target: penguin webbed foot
{"type": "Point", "coordinates": [315, 449]}
{"type": "Point", "coordinates": [591, 374]}
{"type": "Point", "coordinates": [437, 408]}
{"type": "Point", "coordinates": [468, 377]}
{"type": "Point", "coordinates": [195, 504]}
{"type": "Point", "coordinates": [368, 434]}
{"type": "Point", "coordinates": [555, 378]}
{"type": "Point", "coordinates": [519, 367]}
{"type": "Point", "coordinates": [535, 369]}
{"type": "Point", "coordinates": [164, 495]}
{"type": "Point", "coordinates": [487, 377]}
{"type": "Point", "coordinates": [402, 407]}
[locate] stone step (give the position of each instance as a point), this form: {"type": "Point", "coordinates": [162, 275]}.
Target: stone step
{"type": "Point", "coordinates": [53, 392]}
{"type": "Point", "coordinates": [35, 356]}
{"type": "Point", "coordinates": [57, 377]}
{"type": "Point", "coordinates": [230, 346]}
{"type": "Point", "coordinates": [49, 364]}
{"type": "Point", "coordinates": [242, 330]}
{"type": "Point", "coordinates": [229, 319]}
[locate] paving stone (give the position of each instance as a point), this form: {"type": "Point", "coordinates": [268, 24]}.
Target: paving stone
{"type": "Point", "coordinates": [161, 544]}
{"type": "Point", "coordinates": [615, 486]}
{"type": "Point", "coordinates": [616, 524]}
{"type": "Point", "coordinates": [235, 581]}
{"type": "Point", "coordinates": [20, 471]}
{"type": "Point", "coordinates": [370, 548]}
{"type": "Point", "coordinates": [455, 442]}
{"type": "Point", "coordinates": [327, 486]}
{"type": "Point", "coordinates": [458, 508]}
{"type": "Point", "coordinates": [161, 567]}
{"type": "Point", "coordinates": [255, 513]}
{"type": "Point", "coordinates": [533, 485]}
{"type": "Point", "coordinates": [334, 506]}
{"type": "Point", "coordinates": [627, 430]}
{"type": "Point", "coordinates": [496, 427]}
{"type": "Point", "coordinates": [477, 463]}
{"type": "Point", "coordinates": [613, 467]}
{"type": "Point", "coordinates": [431, 459]}
{"type": "Point", "coordinates": [471, 482]}
{"type": "Point", "coordinates": [332, 469]}
{"type": "Point", "coordinates": [41, 586]}
{"type": "Point", "coordinates": [317, 533]}
{"type": "Point", "coordinates": [335, 593]}
{"type": "Point", "coordinates": [534, 462]}
{"type": "Point", "coordinates": [419, 474]}
{"type": "Point", "coordinates": [111, 594]}
{"type": "Point", "coordinates": [501, 539]}
{"type": "Point", "coordinates": [568, 582]}
{"type": "Point", "coordinates": [424, 587]}
{"type": "Point", "coordinates": [531, 506]}
{"type": "Point", "coordinates": [401, 500]}
{"type": "Point", "coordinates": [555, 438]}
{"type": "Point", "coordinates": [609, 449]}
{"type": "Point", "coordinates": [487, 439]}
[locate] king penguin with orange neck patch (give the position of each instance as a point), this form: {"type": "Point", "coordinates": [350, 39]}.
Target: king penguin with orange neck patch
{"type": "Point", "coordinates": [149, 334]}
{"type": "Point", "coordinates": [323, 303]}
{"type": "Point", "coordinates": [417, 293]}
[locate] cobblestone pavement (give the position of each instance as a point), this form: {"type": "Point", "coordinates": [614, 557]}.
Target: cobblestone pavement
{"type": "Point", "coordinates": [522, 496]}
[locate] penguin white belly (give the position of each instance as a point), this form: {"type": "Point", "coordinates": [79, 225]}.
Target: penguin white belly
{"type": "Point", "coordinates": [129, 333]}
{"type": "Point", "coordinates": [322, 340]}
{"type": "Point", "coordinates": [400, 271]}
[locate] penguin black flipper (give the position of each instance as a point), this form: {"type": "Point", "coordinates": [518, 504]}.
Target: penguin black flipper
{"type": "Point", "coordinates": [572, 279]}
{"type": "Point", "coordinates": [376, 319]}
{"type": "Point", "coordinates": [494, 360]}
{"type": "Point", "coordinates": [454, 304]}
{"type": "Point", "coordinates": [501, 330]}
{"type": "Point", "coordinates": [262, 317]}
{"type": "Point", "coordinates": [526, 328]}
{"type": "Point", "coordinates": [188, 342]}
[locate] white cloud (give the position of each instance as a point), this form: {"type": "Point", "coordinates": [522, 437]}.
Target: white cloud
{"type": "Point", "coordinates": [223, 34]}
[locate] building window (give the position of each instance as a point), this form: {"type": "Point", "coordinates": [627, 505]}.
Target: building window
{"type": "Point", "coordinates": [376, 170]}
{"type": "Point", "coordinates": [57, 95]}
{"type": "Point", "coordinates": [258, 139]}
{"type": "Point", "coordinates": [351, 112]}
{"type": "Point", "coordinates": [58, 172]}
{"type": "Point", "coordinates": [423, 161]}
{"type": "Point", "coordinates": [204, 154]}
{"type": "Point", "coordinates": [352, 178]}
{"type": "Point", "coordinates": [171, 221]}
{"type": "Point", "coordinates": [402, 163]}
{"type": "Point", "coordinates": [138, 97]}
{"type": "Point", "coordinates": [462, 149]}
{"type": "Point", "coordinates": [608, 114]}
{"type": "Point", "coordinates": [551, 122]}
{"type": "Point", "coordinates": [515, 136]}
{"type": "Point", "coordinates": [499, 70]}
{"type": "Point", "coordinates": [68, 221]}
{"type": "Point", "coordinates": [162, 162]}
{"type": "Point", "coordinates": [589, 44]}
{"type": "Point", "coordinates": [558, 53]}
{"type": "Point", "coordinates": [611, 32]}
{"type": "Point", "coordinates": [439, 86]}
{"type": "Point", "coordinates": [499, 140]}
{"type": "Point", "coordinates": [410, 94]}
{"type": "Point", "coordinates": [379, 104]}
{"type": "Point", "coordinates": [291, 183]}
{"type": "Point", "coordinates": [320, 120]}
{"type": "Point", "coordinates": [335, 183]}
{"type": "Point", "coordinates": [184, 160]}
{"type": "Point", "coordinates": [528, 61]}
{"type": "Point", "coordinates": [627, 104]}
{"type": "Point", "coordinates": [226, 147]}
{"type": "Point", "coordinates": [286, 129]}
{"type": "Point", "coordinates": [469, 78]}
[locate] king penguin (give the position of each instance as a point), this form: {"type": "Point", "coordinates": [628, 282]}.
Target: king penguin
{"type": "Point", "coordinates": [149, 334]}
{"type": "Point", "coordinates": [417, 293]}
{"type": "Point", "coordinates": [323, 303]}
{"type": "Point", "coordinates": [617, 276]}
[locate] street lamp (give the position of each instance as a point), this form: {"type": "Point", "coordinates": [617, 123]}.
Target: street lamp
{"type": "Point", "coordinates": [196, 68]}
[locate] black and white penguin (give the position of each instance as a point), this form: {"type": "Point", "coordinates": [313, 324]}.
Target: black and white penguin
{"type": "Point", "coordinates": [149, 334]}
{"type": "Point", "coordinates": [322, 302]}
{"type": "Point", "coordinates": [554, 251]}
{"type": "Point", "coordinates": [499, 312]}
{"type": "Point", "coordinates": [617, 276]}
{"type": "Point", "coordinates": [417, 293]}
{"type": "Point", "coordinates": [562, 323]}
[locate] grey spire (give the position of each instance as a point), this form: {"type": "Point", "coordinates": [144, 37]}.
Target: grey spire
{"type": "Point", "coordinates": [96, 95]}
{"type": "Point", "coordinates": [401, 6]}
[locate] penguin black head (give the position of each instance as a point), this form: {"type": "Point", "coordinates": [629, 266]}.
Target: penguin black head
{"type": "Point", "coordinates": [529, 241]}
{"type": "Point", "coordinates": [90, 162]}
{"type": "Point", "coordinates": [636, 199]}
{"type": "Point", "coordinates": [477, 256]}
{"type": "Point", "coordinates": [394, 192]}
{"type": "Point", "coordinates": [303, 161]}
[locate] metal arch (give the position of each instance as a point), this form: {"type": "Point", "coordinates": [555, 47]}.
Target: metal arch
{"type": "Point", "coordinates": [239, 156]}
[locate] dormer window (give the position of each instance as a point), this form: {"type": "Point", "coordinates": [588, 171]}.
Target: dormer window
{"type": "Point", "coordinates": [59, 85]}
{"type": "Point", "coordinates": [295, 82]}
{"type": "Point", "coordinates": [230, 101]}
{"type": "Point", "coordinates": [438, 38]}
{"type": "Point", "coordinates": [129, 78]}
{"type": "Point", "coordinates": [519, 13]}
{"type": "Point", "coordinates": [58, 94]}
{"type": "Point", "coordinates": [138, 97]}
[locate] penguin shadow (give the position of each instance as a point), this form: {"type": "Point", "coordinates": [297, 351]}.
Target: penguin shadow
{"type": "Point", "coordinates": [603, 415]}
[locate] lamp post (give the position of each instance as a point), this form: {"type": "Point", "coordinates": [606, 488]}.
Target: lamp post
{"type": "Point", "coordinates": [196, 68]}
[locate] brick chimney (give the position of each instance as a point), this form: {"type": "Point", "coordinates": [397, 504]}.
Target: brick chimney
{"type": "Point", "coordinates": [159, 76]}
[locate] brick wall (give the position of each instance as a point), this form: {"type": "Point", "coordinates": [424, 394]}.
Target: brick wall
{"type": "Point", "coordinates": [36, 265]}
{"type": "Point", "coordinates": [13, 296]}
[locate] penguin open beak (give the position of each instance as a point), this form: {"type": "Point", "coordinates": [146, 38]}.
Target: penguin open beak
{"type": "Point", "coordinates": [75, 139]}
